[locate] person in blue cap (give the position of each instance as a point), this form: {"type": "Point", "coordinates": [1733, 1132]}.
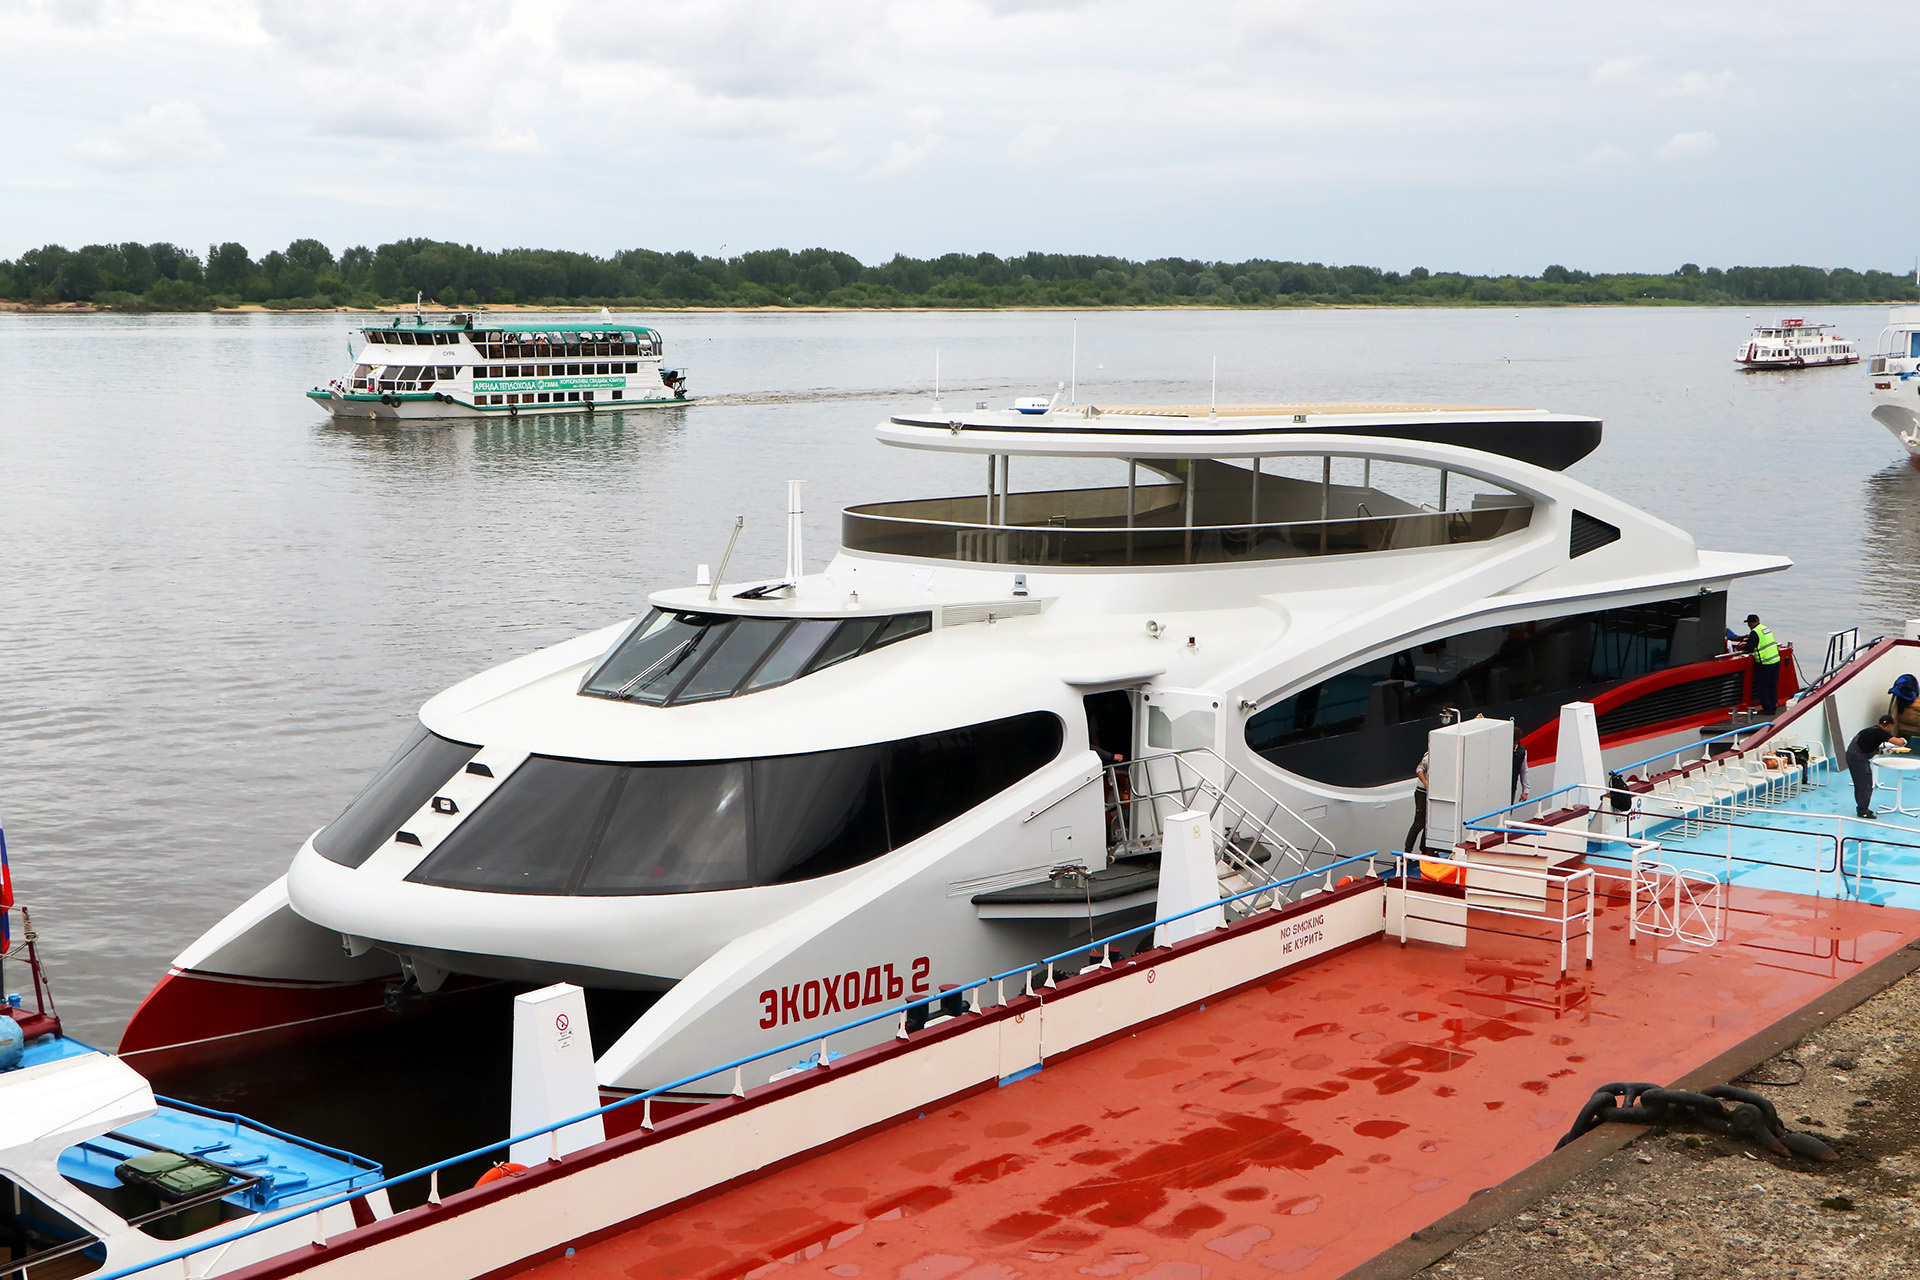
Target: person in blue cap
{"type": "Point", "coordinates": [1900, 705]}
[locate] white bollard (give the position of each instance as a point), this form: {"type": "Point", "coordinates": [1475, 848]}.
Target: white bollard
{"type": "Point", "coordinates": [553, 1073]}
{"type": "Point", "coordinates": [1576, 760]}
{"type": "Point", "coordinates": [1187, 879]}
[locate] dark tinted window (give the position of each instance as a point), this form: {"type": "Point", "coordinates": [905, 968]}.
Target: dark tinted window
{"type": "Point", "coordinates": [848, 639]}
{"type": "Point", "coordinates": [570, 826]}
{"type": "Point", "coordinates": [1368, 725]}
{"type": "Point", "coordinates": [792, 654]}
{"type": "Point", "coordinates": [932, 780]}
{"type": "Point", "coordinates": [819, 813]}
{"type": "Point", "coordinates": [407, 781]}
{"type": "Point", "coordinates": [904, 627]}
{"type": "Point", "coordinates": [674, 828]}
{"type": "Point", "coordinates": [531, 834]}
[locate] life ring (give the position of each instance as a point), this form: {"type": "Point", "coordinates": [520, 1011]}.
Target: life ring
{"type": "Point", "coordinates": [505, 1169]}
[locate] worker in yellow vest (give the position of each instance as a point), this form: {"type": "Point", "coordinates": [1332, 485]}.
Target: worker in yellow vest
{"type": "Point", "coordinates": [1765, 649]}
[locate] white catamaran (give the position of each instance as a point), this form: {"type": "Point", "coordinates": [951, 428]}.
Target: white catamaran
{"type": "Point", "coordinates": [460, 365]}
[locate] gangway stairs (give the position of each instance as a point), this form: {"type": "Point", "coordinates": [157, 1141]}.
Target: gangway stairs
{"type": "Point", "coordinates": [1258, 842]}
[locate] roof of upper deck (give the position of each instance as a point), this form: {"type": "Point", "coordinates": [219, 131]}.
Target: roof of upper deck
{"type": "Point", "coordinates": [494, 328]}
{"type": "Point", "coordinates": [1552, 440]}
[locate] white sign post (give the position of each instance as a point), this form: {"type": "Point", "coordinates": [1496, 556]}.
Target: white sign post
{"type": "Point", "coordinates": [1188, 879]}
{"type": "Point", "coordinates": [552, 1073]}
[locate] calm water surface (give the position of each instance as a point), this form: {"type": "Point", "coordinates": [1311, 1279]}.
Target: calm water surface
{"type": "Point", "coordinates": [219, 610]}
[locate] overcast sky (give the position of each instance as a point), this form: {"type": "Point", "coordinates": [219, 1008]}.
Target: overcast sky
{"type": "Point", "coordinates": [1470, 135]}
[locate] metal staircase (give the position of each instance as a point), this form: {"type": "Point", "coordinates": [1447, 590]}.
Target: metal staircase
{"type": "Point", "coordinates": [1250, 848]}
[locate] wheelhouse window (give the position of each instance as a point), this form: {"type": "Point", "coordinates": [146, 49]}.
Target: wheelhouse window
{"type": "Point", "coordinates": [581, 827]}
{"type": "Point", "coordinates": [407, 781]}
{"type": "Point", "coordinates": [672, 656]}
{"type": "Point", "coordinates": [1368, 725]}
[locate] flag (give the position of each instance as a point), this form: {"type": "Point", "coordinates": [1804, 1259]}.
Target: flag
{"type": "Point", "coordinates": [6, 892]}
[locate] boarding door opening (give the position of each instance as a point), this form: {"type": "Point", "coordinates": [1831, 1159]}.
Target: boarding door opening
{"type": "Point", "coordinates": [1111, 723]}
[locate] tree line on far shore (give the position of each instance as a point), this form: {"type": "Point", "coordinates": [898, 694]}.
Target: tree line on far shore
{"type": "Point", "coordinates": [307, 275]}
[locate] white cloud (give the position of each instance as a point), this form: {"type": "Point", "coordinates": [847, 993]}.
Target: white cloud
{"type": "Point", "coordinates": [169, 135]}
{"type": "Point", "coordinates": [1293, 23]}
{"type": "Point", "coordinates": [1687, 146]}
{"type": "Point", "coordinates": [1609, 153]}
{"type": "Point", "coordinates": [1700, 84]}
{"type": "Point", "coordinates": [1034, 147]}
{"type": "Point", "coordinates": [904, 157]}
{"type": "Point", "coordinates": [1620, 71]}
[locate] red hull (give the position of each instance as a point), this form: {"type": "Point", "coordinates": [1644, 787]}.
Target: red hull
{"type": "Point", "coordinates": [1543, 743]}
{"type": "Point", "coordinates": [192, 1018]}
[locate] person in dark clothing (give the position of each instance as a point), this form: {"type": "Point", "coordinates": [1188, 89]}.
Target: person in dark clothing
{"type": "Point", "coordinates": [1765, 649]}
{"type": "Point", "coordinates": [1860, 753]}
{"type": "Point", "coordinates": [1418, 831]}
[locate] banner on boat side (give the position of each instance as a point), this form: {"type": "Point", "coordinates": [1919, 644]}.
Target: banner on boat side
{"type": "Point", "coordinates": [546, 384]}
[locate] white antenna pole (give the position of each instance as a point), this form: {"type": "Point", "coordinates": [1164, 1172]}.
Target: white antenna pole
{"type": "Point", "coordinates": [1073, 365]}
{"type": "Point", "coordinates": [794, 559]}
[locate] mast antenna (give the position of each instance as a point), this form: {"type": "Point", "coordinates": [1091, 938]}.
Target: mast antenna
{"type": "Point", "coordinates": [794, 566]}
{"type": "Point", "coordinates": [713, 588]}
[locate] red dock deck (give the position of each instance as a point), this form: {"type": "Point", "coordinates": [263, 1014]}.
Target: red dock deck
{"type": "Point", "coordinates": [1297, 1128]}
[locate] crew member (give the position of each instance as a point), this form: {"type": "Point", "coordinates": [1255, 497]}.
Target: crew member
{"type": "Point", "coordinates": [1765, 649]}
{"type": "Point", "coordinates": [1418, 831]}
{"type": "Point", "coordinates": [1860, 753]}
{"type": "Point", "coordinates": [1900, 705]}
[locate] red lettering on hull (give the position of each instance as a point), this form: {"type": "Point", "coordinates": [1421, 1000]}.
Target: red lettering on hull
{"type": "Point", "coordinates": [840, 993]}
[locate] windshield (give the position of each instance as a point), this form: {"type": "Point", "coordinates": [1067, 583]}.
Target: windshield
{"type": "Point", "coordinates": [672, 657]}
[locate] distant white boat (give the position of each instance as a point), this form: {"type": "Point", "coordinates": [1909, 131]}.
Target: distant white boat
{"type": "Point", "coordinates": [1894, 374]}
{"type": "Point", "coordinates": [474, 369]}
{"type": "Point", "coordinates": [1795, 344]}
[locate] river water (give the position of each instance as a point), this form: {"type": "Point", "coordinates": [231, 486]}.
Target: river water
{"type": "Point", "coordinates": [219, 610]}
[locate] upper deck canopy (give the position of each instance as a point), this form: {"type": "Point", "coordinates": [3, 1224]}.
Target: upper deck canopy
{"type": "Point", "coordinates": [1552, 440]}
{"type": "Point", "coordinates": [486, 328]}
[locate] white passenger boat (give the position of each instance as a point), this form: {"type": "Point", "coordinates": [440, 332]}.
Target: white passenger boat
{"type": "Point", "coordinates": [785, 801]}
{"type": "Point", "coordinates": [1795, 344]}
{"type": "Point", "coordinates": [1894, 377]}
{"type": "Point", "coordinates": [430, 365]}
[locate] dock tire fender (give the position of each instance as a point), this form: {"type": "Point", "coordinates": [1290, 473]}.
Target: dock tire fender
{"type": "Point", "coordinates": [391, 400]}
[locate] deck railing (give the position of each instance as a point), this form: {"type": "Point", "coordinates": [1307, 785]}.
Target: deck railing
{"type": "Point", "coordinates": [1107, 541]}
{"type": "Point", "coordinates": [1200, 779]}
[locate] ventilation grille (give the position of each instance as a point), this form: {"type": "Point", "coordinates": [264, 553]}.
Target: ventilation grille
{"type": "Point", "coordinates": [953, 615]}
{"type": "Point", "coordinates": [1590, 534]}
{"type": "Point", "coordinates": [1695, 697]}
